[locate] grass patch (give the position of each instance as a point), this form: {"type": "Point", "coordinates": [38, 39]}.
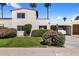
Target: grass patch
{"type": "Point", "coordinates": [21, 42]}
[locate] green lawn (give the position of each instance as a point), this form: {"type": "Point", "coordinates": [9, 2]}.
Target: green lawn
{"type": "Point", "coordinates": [21, 42]}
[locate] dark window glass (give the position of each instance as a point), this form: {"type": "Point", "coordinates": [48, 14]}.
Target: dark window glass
{"type": "Point", "coordinates": [20, 28]}
{"type": "Point", "coordinates": [20, 15]}
{"type": "Point", "coordinates": [42, 27]}
{"type": "Point", "coordinates": [23, 15]}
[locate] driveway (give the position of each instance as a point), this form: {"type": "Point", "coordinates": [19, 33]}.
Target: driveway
{"type": "Point", "coordinates": [71, 49]}
{"type": "Point", "coordinates": [72, 42]}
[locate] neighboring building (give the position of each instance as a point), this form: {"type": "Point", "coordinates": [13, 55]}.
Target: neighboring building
{"type": "Point", "coordinates": [23, 16]}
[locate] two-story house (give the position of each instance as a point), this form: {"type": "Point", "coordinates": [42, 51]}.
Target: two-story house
{"type": "Point", "coordinates": [23, 16]}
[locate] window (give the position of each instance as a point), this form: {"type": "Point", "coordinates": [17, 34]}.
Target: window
{"type": "Point", "coordinates": [20, 15]}
{"type": "Point", "coordinates": [42, 27]}
{"type": "Point", "coordinates": [20, 28]}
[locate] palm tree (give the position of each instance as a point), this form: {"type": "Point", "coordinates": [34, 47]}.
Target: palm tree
{"type": "Point", "coordinates": [33, 5]}
{"type": "Point", "coordinates": [77, 18]}
{"type": "Point", "coordinates": [2, 5]}
{"type": "Point", "coordinates": [47, 5]}
{"type": "Point", "coordinates": [64, 18]}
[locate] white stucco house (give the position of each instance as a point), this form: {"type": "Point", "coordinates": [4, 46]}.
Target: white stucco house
{"type": "Point", "coordinates": [22, 16]}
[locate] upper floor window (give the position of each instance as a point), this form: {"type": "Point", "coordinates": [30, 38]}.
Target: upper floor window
{"type": "Point", "coordinates": [20, 15]}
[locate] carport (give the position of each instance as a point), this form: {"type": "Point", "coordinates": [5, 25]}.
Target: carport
{"type": "Point", "coordinates": [67, 28]}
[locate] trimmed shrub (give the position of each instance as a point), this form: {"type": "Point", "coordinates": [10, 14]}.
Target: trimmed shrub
{"type": "Point", "coordinates": [2, 27]}
{"type": "Point", "coordinates": [7, 33]}
{"type": "Point", "coordinates": [53, 27]}
{"type": "Point", "coordinates": [27, 29]}
{"type": "Point", "coordinates": [53, 38]}
{"type": "Point", "coordinates": [59, 41]}
{"type": "Point", "coordinates": [38, 33]}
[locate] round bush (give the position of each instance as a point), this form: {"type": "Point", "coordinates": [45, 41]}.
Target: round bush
{"type": "Point", "coordinates": [53, 38]}
{"type": "Point", "coordinates": [38, 33]}
{"type": "Point", "coordinates": [7, 33]}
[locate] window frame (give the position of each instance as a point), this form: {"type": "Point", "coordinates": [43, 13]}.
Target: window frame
{"type": "Point", "coordinates": [42, 27]}
{"type": "Point", "coordinates": [20, 15]}
{"type": "Point", "coordinates": [20, 28]}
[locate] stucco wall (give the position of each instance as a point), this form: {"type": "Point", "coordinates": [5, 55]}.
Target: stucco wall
{"type": "Point", "coordinates": [30, 18]}
{"type": "Point", "coordinates": [75, 22]}
{"type": "Point", "coordinates": [69, 23]}
{"type": "Point", "coordinates": [42, 22]}
{"type": "Point", "coordinates": [6, 22]}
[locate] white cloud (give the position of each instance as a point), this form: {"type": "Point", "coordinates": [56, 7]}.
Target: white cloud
{"type": "Point", "coordinates": [74, 16]}
{"type": "Point", "coordinates": [59, 17]}
{"type": "Point", "coordinates": [15, 5]}
{"type": "Point", "coordinates": [7, 4]}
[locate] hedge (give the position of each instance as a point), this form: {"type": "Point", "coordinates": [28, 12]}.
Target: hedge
{"type": "Point", "coordinates": [38, 33]}
{"type": "Point", "coordinates": [59, 41]}
{"type": "Point", "coordinates": [53, 27]}
{"type": "Point", "coordinates": [7, 33]}
{"type": "Point", "coordinates": [2, 27]}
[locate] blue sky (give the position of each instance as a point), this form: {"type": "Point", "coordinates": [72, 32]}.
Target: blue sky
{"type": "Point", "coordinates": [56, 12]}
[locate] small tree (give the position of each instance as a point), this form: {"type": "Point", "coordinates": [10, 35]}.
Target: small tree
{"type": "Point", "coordinates": [77, 18]}
{"type": "Point", "coordinates": [27, 29]}
{"type": "Point", "coordinates": [64, 18]}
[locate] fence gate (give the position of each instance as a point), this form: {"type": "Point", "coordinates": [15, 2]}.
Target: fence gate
{"type": "Point", "coordinates": [75, 28]}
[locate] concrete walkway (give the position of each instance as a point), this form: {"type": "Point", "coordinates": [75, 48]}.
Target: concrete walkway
{"type": "Point", "coordinates": [71, 49]}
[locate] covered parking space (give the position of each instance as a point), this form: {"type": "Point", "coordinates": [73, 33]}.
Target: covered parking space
{"type": "Point", "coordinates": [67, 28]}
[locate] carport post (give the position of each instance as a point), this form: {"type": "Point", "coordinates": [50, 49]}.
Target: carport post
{"type": "Point", "coordinates": [71, 30]}
{"type": "Point", "coordinates": [57, 27]}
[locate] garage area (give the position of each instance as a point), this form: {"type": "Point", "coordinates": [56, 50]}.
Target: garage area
{"type": "Point", "coordinates": [62, 27]}
{"type": "Point", "coordinates": [75, 29]}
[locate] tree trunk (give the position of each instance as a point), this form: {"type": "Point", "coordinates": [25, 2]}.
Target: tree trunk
{"type": "Point", "coordinates": [47, 12]}
{"type": "Point", "coordinates": [34, 8]}
{"type": "Point", "coordinates": [2, 10]}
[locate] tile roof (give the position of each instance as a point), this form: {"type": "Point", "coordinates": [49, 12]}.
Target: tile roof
{"type": "Point", "coordinates": [22, 8]}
